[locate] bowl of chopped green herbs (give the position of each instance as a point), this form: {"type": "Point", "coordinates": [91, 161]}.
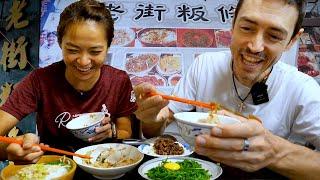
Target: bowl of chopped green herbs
{"type": "Point", "coordinates": [179, 168]}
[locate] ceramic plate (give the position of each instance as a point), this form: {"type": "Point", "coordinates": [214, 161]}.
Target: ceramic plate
{"type": "Point", "coordinates": [213, 169]}
{"type": "Point", "coordinates": [149, 150]}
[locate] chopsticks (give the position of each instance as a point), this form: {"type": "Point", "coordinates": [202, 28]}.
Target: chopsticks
{"type": "Point", "coordinates": [212, 106]}
{"type": "Point", "coordinates": [9, 140]}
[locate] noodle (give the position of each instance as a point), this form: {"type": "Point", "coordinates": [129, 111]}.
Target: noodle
{"type": "Point", "coordinates": [44, 171]}
{"type": "Point", "coordinates": [211, 119]}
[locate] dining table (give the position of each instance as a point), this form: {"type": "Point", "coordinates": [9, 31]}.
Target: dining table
{"type": "Point", "coordinates": [228, 172]}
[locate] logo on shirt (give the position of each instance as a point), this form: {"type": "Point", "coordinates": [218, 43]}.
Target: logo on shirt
{"type": "Point", "coordinates": [105, 110]}
{"type": "Point", "coordinates": [133, 97]}
{"type": "Point", "coordinates": [62, 119]}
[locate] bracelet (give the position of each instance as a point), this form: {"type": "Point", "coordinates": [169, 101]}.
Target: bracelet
{"type": "Point", "coordinates": [113, 130]}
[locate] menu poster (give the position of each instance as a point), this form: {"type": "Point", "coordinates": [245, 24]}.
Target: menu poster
{"type": "Point", "coordinates": [309, 46]}
{"type": "Point", "coordinates": [309, 52]}
{"type": "Point", "coordinates": [155, 41]}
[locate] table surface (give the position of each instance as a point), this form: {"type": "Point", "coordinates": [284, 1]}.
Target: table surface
{"type": "Point", "coordinates": [228, 172]}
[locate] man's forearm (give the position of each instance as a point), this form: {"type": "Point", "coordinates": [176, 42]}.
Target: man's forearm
{"type": "Point", "coordinates": [156, 128]}
{"type": "Point", "coordinates": [153, 129]}
{"type": "Point", "coordinates": [297, 162]}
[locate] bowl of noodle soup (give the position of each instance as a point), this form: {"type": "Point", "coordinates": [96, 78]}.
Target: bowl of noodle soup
{"type": "Point", "coordinates": [48, 167]}
{"type": "Point", "coordinates": [109, 161]}
{"type": "Point", "coordinates": [192, 124]}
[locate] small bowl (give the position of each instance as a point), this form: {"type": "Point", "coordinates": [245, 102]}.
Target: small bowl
{"type": "Point", "coordinates": [12, 169]}
{"type": "Point", "coordinates": [83, 126]}
{"type": "Point", "coordinates": [119, 152]}
{"type": "Point", "coordinates": [190, 128]}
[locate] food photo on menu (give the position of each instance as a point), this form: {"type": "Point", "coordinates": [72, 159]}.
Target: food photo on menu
{"type": "Point", "coordinates": [123, 37]}
{"type": "Point", "coordinates": [169, 64]}
{"type": "Point", "coordinates": [223, 38]}
{"type": "Point", "coordinates": [139, 63]}
{"type": "Point", "coordinates": [153, 79]}
{"type": "Point", "coordinates": [157, 37]}
{"type": "Point", "coordinates": [158, 69]}
{"type": "Point", "coordinates": [309, 63]}
{"type": "Point", "coordinates": [201, 38]}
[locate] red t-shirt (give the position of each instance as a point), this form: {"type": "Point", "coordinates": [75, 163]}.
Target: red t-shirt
{"type": "Point", "coordinates": [47, 92]}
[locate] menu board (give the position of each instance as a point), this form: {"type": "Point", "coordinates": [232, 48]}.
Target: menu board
{"type": "Point", "coordinates": [156, 41]}
{"type": "Point", "coordinates": [309, 45]}
{"type": "Point", "coordinates": [309, 52]}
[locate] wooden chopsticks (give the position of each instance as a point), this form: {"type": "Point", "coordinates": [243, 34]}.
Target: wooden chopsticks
{"type": "Point", "coordinates": [9, 140]}
{"type": "Point", "coordinates": [212, 106]}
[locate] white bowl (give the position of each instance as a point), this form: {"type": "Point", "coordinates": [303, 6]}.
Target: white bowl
{"type": "Point", "coordinates": [83, 126]}
{"type": "Point", "coordinates": [190, 128]}
{"type": "Point", "coordinates": [121, 150]}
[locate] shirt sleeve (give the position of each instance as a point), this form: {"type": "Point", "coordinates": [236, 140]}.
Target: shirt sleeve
{"type": "Point", "coordinates": [127, 99]}
{"type": "Point", "coordinates": [23, 99]}
{"type": "Point", "coordinates": [307, 121]}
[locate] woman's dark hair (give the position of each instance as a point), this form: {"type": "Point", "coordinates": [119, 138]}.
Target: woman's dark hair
{"type": "Point", "coordinates": [300, 5]}
{"type": "Point", "coordinates": [86, 10]}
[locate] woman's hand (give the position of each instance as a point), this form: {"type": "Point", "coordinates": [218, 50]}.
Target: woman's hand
{"type": "Point", "coordinates": [103, 132]}
{"type": "Point", "coordinates": [246, 145]}
{"type": "Point", "coordinates": [27, 152]}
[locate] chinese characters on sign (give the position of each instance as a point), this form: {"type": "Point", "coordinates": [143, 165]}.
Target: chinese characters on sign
{"type": "Point", "coordinates": [226, 12]}
{"type": "Point", "coordinates": [116, 11]}
{"type": "Point", "coordinates": [11, 51]}
{"type": "Point", "coordinates": [16, 14]}
{"type": "Point", "coordinates": [150, 11]}
{"type": "Point", "coordinates": [186, 12]}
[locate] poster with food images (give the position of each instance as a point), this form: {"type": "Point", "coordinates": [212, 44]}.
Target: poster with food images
{"type": "Point", "coordinates": [156, 41]}
{"type": "Point", "coordinates": [308, 60]}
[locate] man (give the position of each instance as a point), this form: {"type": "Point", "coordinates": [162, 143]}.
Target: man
{"type": "Point", "coordinates": [251, 80]}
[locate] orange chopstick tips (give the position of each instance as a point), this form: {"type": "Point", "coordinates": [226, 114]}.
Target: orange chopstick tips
{"type": "Point", "coordinates": [211, 106]}
{"type": "Point", "coordinates": [9, 140]}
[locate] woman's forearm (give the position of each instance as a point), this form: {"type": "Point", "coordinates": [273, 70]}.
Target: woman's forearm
{"type": "Point", "coordinates": [123, 134]}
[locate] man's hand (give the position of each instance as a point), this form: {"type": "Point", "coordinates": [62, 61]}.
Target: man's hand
{"type": "Point", "coordinates": [226, 143]}
{"type": "Point", "coordinates": [149, 107]}
{"type": "Point", "coordinates": [27, 152]}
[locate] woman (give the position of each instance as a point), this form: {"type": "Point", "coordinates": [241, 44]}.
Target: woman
{"type": "Point", "coordinates": [81, 83]}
